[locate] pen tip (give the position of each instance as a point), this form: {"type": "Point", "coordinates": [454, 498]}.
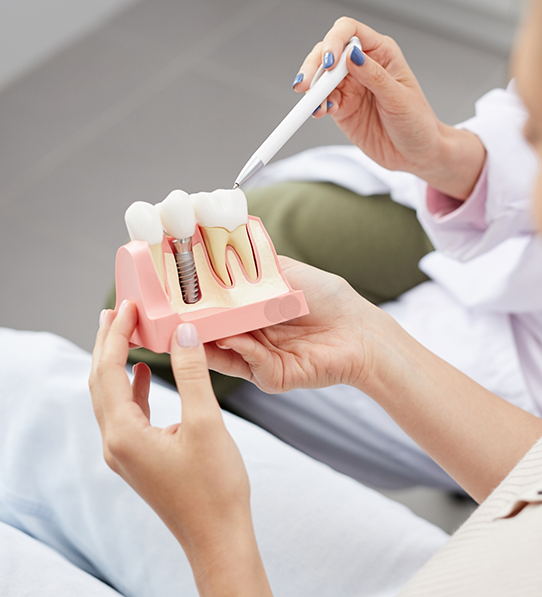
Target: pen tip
{"type": "Point", "coordinates": [236, 185]}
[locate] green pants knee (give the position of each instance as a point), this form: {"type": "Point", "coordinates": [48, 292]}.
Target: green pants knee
{"type": "Point", "coordinates": [372, 242]}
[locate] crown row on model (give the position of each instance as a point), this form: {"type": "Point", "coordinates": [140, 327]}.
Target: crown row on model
{"type": "Point", "coordinates": [178, 213]}
{"type": "Point", "coordinates": [222, 216]}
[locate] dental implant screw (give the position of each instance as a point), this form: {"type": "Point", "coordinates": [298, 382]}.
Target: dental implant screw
{"type": "Point", "coordinates": [186, 268]}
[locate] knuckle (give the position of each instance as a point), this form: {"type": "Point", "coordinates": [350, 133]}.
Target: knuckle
{"type": "Point", "coordinates": [110, 460]}
{"type": "Point", "coordinates": [343, 21]}
{"type": "Point", "coordinates": [116, 446]}
{"type": "Point", "coordinates": [380, 76]}
{"type": "Point", "coordinates": [390, 47]}
{"type": "Point", "coordinates": [192, 370]}
{"type": "Point", "coordinates": [389, 41]}
{"type": "Point", "coordinates": [203, 423]}
{"type": "Point", "coordinates": [101, 368]}
{"type": "Point", "coordinates": [317, 48]}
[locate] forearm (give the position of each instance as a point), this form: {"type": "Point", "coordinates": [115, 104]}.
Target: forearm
{"type": "Point", "coordinates": [458, 163]}
{"type": "Point", "coordinates": [473, 434]}
{"type": "Point", "coordinates": [230, 567]}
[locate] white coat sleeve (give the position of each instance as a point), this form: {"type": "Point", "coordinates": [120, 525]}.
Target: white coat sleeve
{"type": "Point", "coordinates": [488, 255]}
{"type": "Point", "coordinates": [500, 206]}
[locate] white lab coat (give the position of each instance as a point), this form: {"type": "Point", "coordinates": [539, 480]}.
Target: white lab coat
{"type": "Point", "coordinates": [486, 276]}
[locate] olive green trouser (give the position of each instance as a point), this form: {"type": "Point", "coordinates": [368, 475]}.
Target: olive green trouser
{"type": "Point", "coordinates": [372, 242]}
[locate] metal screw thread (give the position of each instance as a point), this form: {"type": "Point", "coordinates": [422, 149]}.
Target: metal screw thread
{"type": "Point", "coordinates": [186, 268]}
{"type": "Point", "coordinates": [188, 277]}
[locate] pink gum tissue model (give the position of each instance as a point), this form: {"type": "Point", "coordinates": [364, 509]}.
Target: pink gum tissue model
{"type": "Point", "coordinates": [215, 267]}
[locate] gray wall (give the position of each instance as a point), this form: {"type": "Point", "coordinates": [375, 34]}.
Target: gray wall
{"type": "Point", "coordinates": [32, 30]}
{"type": "Point", "coordinates": [487, 24]}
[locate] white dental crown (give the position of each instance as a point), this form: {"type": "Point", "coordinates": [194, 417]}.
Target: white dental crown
{"type": "Point", "coordinates": [223, 208]}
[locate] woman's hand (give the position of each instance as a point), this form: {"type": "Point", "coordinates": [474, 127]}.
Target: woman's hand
{"type": "Point", "coordinates": [190, 473]}
{"type": "Point", "coordinates": [347, 340]}
{"type": "Point", "coordinates": [334, 344]}
{"type": "Point", "coordinates": [381, 108]}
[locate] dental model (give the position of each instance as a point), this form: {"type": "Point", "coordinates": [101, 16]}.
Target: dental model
{"type": "Point", "coordinates": [143, 223]}
{"type": "Point", "coordinates": [179, 221]}
{"type": "Point", "coordinates": [223, 217]}
{"type": "Point", "coordinates": [234, 283]}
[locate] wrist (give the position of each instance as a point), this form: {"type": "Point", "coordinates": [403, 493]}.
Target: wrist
{"type": "Point", "coordinates": [459, 159]}
{"type": "Point", "coordinates": [227, 562]}
{"type": "Point", "coordinates": [386, 353]}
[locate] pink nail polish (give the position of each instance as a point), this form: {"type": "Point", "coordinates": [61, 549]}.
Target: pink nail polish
{"type": "Point", "coordinates": [187, 336]}
{"type": "Point", "coordinates": [123, 306]}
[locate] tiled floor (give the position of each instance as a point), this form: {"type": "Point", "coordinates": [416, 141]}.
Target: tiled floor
{"type": "Point", "coordinates": [168, 95]}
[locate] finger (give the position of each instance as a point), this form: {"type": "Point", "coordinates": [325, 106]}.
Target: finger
{"type": "Point", "coordinates": [111, 367]}
{"type": "Point", "coordinates": [106, 318]}
{"type": "Point", "coordinates": [333, 102]}
{"type": "Point", "coordinates": [373, 76]}
{"type": "Point", "coordinates": [340, 34]}
{"type": "Point", "coordinates": [322, 109]}
{"type": "Point", "coordinates": [250, 349]}
{"type": "Point", "coordinates": [191, 373]}
{"type": "Point", "coordinates": [117, 343]}
{"type": "Point", "coordinates": [344, 29]}
{"type": "Point", "coordinates": [140, 387]}
{"type": "Point", "coordinates": [308, 69]}
{"type": "Point", "coordinates": [335, 41]}
{"type": "Point", "coordinates": [226, 361]}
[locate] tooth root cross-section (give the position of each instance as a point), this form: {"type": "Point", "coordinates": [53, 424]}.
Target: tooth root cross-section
{"type": "Point", "coordinates": [218, 239]}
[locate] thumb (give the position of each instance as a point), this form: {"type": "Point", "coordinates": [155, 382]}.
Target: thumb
{"type": "Point", "coordinates": [191, 373]}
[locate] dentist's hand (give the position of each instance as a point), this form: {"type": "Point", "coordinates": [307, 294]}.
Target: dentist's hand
{"type": "Point", "coordinates": [381, 108]}
{"type": "Point", "coordinates": [190, 473]}
{"type": "Point", "coordinates": [334, 344]}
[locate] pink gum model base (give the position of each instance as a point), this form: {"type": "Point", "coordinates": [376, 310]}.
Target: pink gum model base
{"type": "Point", "coordinates": [137, 280]}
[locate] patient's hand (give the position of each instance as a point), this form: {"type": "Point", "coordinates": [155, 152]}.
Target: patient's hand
{"type": "Point", "coordinates": [334, 344]}
{"type": "Point", "coordinates": [191, 473]}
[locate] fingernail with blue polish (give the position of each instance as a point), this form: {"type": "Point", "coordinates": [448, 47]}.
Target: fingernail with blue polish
{"type": "Point", "coordinates": [316, 110]}
{"type": "Point", "coordinates": [357, 57]}
{"type": "Point", "coordinates": [298, 79]}
{"type": "Point", "coordinates": [329, 59]}
{"type": "Point", "coordinates": [329, 104]}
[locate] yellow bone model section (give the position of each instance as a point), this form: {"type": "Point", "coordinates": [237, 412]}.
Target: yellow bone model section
{"type": "Point", "coordinates": [245, 292]}
{"type": "Point", "coordinates": [218, 239]}
{"type": "Point", "coordinates": [157, 257]}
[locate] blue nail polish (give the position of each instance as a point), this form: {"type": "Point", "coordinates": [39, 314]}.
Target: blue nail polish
{"type": "Point", "coordinates": [357, 57]}
{"type": "Point", "coordinates": [329, 104]}
{"type": "Point", "coordinates": [298, 79]}
{"type": "Point", "coordinates": [316, 110]}
{"type": "Point", "coordinates": [329, 59]}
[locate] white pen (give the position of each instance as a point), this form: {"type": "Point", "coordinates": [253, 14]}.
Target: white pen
{"type": "Point", "coordinates": [323, 83]}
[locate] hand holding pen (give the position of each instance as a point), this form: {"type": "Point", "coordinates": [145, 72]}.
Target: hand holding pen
{"type": "Point", "coordinates": [381, 108]}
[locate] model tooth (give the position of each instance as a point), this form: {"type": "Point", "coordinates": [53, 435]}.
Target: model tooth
{"type": "Point", "coordinates": [223, 216]}
{"type": "Point", "coordinates": [177, 215]}
{"type": "Point", "coordinates": [179, 221]}
{"type": "Point", "coordinates": [224, 208]}
{"type": "Point", "coordinates": [143, 223]}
